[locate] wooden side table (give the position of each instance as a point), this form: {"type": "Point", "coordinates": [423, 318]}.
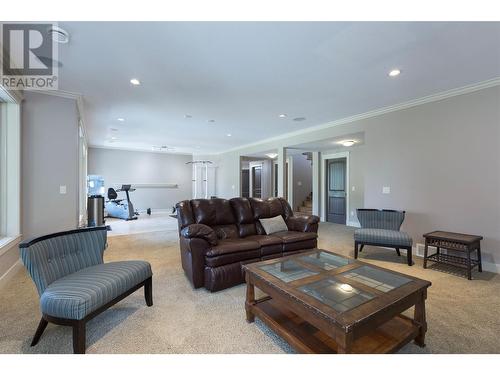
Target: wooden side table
{"type": "Point", "coordinates": [466, 243]}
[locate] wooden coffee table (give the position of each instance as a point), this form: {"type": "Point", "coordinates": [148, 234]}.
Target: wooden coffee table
{"type": "Point", "coordinates": [322, 302]}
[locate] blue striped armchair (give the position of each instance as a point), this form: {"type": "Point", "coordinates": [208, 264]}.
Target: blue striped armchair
{"type": "Point", "coordinates": [381, 228]}
{"type": "Point", "coordinates": [74, 283]}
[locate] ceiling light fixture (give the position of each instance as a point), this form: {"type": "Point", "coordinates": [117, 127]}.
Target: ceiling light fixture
{"type": "Point", "coordinates": [188, 116]}
{"type": "Point", "coordinates": [299, 119]}
{"type": "Point", "coordinates": [58, 35]}
{"type": "Point", "coordinates": [228, 134]}
{"type": "Point", "coordinates": [394, 73]}
{"type": "Point", "coordinates": [347, 142]}
{"type": "Point", "coordinates": [121, 119]}
{"type": "Point", "coordinates": [272, 155]}
{"type": "Point", "coordinates": [283, 115]}
{"type": "Point", "coordinates": [211, 120]}
{"type": "Point", "coordinates": [135, 82]}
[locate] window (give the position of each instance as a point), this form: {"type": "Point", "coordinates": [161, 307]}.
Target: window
{"type": "Point", "coordinates": [10, 167]}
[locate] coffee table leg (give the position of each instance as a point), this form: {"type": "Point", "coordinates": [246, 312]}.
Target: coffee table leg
{"type": "Point", "coordinates": [419, 317]}
{"type": "Point", "coordinates": [469, 266]}
{"type": "Point", "coordinates": [250, 299]}
{"type": "Point", "coordinates": [344, 345]}
{"type": "Point", "coordinates": [480, 265]}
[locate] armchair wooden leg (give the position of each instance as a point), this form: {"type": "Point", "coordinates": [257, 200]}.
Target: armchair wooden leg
{"type": "Point", "coordinates": [361, 247]}
{"type": "Point", "coordinates": [409, 256]}
{"type": "Point", "coordinates": [148, 291]}
{"type": "Point", "coordinates": [79, 338]}
{"type": "Point", "coordinates": [39, 331]}
{"type": "Point", "coordinates": [397, 251]}
{"type": "Point", "coordinates": [355, 250]}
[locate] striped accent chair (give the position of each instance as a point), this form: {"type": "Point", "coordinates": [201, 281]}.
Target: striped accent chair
{"type": "Point", "coordinates": [74, 283]}
{"type": "Point", "coordinates": [381, 228]}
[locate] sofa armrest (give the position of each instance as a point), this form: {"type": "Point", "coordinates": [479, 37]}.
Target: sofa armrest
{"type": "Point", "coordinates": [200, 231]}
{"type": "Point", "coordinates": [306, 223]}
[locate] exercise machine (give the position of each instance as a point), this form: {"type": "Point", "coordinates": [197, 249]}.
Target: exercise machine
{"type": "Point", "coordinates": [121, 208]}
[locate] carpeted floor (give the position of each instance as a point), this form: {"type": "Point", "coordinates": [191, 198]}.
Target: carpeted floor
{"type": "Point", "coordinates": [463, 316]}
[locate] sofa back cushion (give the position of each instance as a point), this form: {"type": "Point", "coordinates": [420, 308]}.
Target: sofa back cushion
{"type": "Point", "coordinates": [216, 213]}
{"type": "Point", "coordinates": [244, 216]}
{"type": "Point", "coordinates": [265, 208]}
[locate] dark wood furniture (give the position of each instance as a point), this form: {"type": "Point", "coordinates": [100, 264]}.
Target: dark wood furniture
{"type": "Point", "coordinates": [459, 242]}
{"type": "Point", "coordinates": [321, 302]}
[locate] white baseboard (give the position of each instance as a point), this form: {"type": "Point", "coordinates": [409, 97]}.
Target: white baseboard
{"type": "Point", "coordinates": [9, 272]}
{"type": "Point", "coordinates": [353, 223]}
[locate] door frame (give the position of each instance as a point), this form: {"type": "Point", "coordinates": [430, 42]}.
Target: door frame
{"type": "Point", "coordinates": [324, 201]}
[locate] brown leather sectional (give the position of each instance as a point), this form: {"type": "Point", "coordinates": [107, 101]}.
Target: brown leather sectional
{"type": "Point", "coordinates": [217, 236]}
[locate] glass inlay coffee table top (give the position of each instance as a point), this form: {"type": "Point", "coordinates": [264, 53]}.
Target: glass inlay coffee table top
{"type": "Point", "coordinates": [376, 278]}
{"type": "Point", "coordinates": [339, 296]}
{"type": "Point", "coordinates": [287, 270]}
{"type": "Point", "coordinates": [325, 260]}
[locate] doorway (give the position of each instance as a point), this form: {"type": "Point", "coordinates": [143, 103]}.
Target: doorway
{"type": "Point", "coordinates": [336, 190]}
{"type": "Point", "coordinates": [256, 179]}
{"type": "Point", "coordinates": [245, 183]}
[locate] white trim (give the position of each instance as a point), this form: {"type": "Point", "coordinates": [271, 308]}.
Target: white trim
{"type": "Point", "coordinates": [377, 112]}
{"type": "Point", "coordinates": [289, 194]}
{"type": "Point", "coordinates": [7, 243]}
{"type": "Point", "coordinates": [11, 268]}
{"type": "Point", "coordinates": [353, 223]}
{"type": "Point", "coordinates": [145, 150]}
{"type": "Point", "coordinates": [323, 201]}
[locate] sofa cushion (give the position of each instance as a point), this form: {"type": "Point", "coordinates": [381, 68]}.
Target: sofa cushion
{"type": "Point", "coordinates": [273, 224]}
{"type": "Point", "coordinates": [290, 236]}
{"type": "Point", "coordinates": [232, 246]}
{"type": "Point", "coordinates": [78, 294]}
{"type": "Point", "coordinates": [212, 211]}
{"type": "Point", "coordinates": [382, 237]}
{"type": "Point", "coordinates": [264, 208]}
{"type": "Point", "coordinates": [269, 244]}
{"type": "Point", "coordinates": [230, 258]}
{"type": "Point", "coordinates": [243, 215]}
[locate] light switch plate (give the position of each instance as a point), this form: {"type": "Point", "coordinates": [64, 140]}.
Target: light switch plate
{"type": "Point", "coordinates": [386, 190]}
{"type": "Point", "coordinates": [353, 188]}
{"type": "Point", "coordinates": [62, 189]}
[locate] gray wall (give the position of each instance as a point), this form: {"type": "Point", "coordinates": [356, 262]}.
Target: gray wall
{"type": "Point", "coordinates": [117, 166]}
{"type": "Point", "coordinates": [302, 172]}
{"type": "Point", "coordinates": [441, 160]}
{"type": "Point", "coordinates": [49, 159]}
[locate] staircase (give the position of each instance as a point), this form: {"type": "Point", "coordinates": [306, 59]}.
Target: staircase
{"type": "Point", "coordinates": [306, 207]}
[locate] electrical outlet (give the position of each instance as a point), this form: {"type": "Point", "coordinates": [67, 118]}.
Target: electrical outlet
{"type": "Point", "coordinates": [386, 190]}
{"type": "Point", "coordinates": [353, 188]}
{"type": "Point", "coordinates": [62, 189]}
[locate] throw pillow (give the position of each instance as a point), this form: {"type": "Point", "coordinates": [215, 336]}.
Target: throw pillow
{"type": "Point", "coordinates": [273, 224]}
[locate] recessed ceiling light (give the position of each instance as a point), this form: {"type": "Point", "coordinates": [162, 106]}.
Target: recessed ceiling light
{"type": "Point", "coordinates": [135, 82]}
{"type": "Point", "coordinates": [283, 115]}
{"type": "Point", "coordinates": [299, 119]}
{"type": "Point", "coordinates": [272, 155]}
{"type": "Point", "coordinates": [347, 142]}
{"type": "Point", "coordinates": [58, 35]}
{"type": "Point", "coordinates": [121, 119]}
{"type": "Point", "coordinates": [228, 134]}
{"type": "Point", "coordinates": [394, 73]}
{"type": "Point", "coordinates": [113, 138]}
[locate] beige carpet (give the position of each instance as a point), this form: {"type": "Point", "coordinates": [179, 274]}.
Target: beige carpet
{"type": "Point", "coordinates": [463, 316]}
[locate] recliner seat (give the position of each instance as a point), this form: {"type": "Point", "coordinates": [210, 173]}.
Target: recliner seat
{"type": "Point", "coordinates": [217, 236]}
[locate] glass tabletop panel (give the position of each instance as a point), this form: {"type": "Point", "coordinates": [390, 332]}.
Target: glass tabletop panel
{"type": "Point", "coordinates": [287, 270]}
{"type": "Point", "coordinates": [327, 261]}
{"type": "Point", "coordinates": [376, 278]}
{"type": "Point", "coordinates": [341, 297]}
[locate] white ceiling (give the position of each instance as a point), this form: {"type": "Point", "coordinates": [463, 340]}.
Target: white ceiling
{"type": "Point", "coordinates": [243, 75]}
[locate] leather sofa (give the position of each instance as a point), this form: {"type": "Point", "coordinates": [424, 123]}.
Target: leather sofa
{"type": "Point", "coordinates": [217, 236]}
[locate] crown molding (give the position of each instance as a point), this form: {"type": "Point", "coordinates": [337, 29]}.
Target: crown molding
{"type": "Point", "coordinates": [139, 150]}
{"type": "Point", "coordinates": [377, 112]}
